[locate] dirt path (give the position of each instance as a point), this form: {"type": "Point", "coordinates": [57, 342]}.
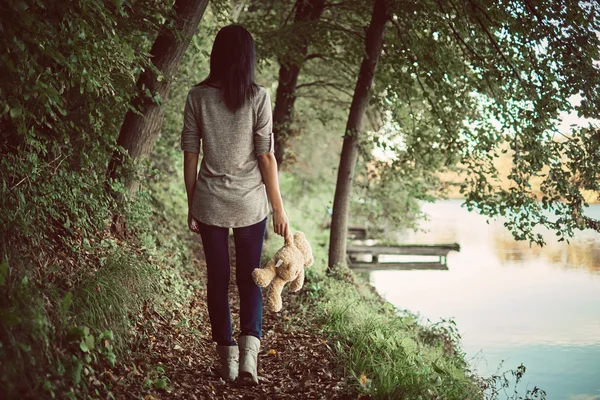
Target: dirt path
{"type": "Point", "coordinates": [294, 362]}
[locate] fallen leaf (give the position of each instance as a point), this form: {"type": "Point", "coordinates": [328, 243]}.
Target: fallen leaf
{"type": "Point", "coordinates": [363, 379]}
{"type": "Point", "coordinates": [272, 352]}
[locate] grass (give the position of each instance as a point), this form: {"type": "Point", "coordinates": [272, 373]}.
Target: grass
{"type": "Point", "coordinates": [387, 353]}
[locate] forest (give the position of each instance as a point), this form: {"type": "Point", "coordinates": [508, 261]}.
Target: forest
{"type": "Point", "coordinates": [379, 106]}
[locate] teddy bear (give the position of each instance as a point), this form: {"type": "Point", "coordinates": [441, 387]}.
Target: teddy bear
{"type": "Point", "coordinates": [287, 265]}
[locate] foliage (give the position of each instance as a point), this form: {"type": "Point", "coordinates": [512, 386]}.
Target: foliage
{"type": "Point", "coordinates": [327, 78]}
{"type": "Point", "coordinates": [458, 84]}
{"type": "Point", "coordinates": [68, 70]}
{"type": "Point", "coordinates": [497, 79]}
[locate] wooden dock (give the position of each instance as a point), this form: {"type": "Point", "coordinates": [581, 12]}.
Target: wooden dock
{"type": "Point", "coordinates": [357, 233]}
{"type": "Point", "coordinates": [366, 266]}
{"type": "Point", "coordinates": [437, 250]}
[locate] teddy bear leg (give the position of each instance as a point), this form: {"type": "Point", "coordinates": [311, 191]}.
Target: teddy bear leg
{"type": "Point", "coordinates": [297, 283]}
{"type": "Point", "coordinates": [274, 298]}
{"type": "Point", "coordinates": [263, 276]}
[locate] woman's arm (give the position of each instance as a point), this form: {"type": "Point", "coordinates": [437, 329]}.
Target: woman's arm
{"type": "Point", "coordinates": [190, 144]}
{"type": "Point", "coordinates": [190, 171]}
{"type": "Point", "coordinates": [268, 168]}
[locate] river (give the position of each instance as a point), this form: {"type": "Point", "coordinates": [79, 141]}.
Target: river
{"type": "Point", "coordinates": [511, 303]}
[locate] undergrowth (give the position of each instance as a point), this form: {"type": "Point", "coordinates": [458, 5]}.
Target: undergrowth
{"type": "Point", "coordinates": [68, 308]}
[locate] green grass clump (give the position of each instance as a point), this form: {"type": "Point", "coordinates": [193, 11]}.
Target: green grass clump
{"type": "Point", "coordinates": [388, 352]}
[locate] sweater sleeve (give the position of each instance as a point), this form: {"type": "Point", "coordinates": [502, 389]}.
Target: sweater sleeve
{"type": "Point", "coordinates": [263, 130]}
{"type": "Point", "coordinates": [191, 134]}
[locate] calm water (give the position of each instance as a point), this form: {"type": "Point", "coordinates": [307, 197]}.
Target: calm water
{"type": "Point", "coordinates": [536, 306]}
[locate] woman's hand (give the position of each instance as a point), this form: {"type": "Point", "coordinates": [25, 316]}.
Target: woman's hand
{"type": "Point", "coordinates": [193, 223]}
{"type": "Point", "coordinates": [281, 223]}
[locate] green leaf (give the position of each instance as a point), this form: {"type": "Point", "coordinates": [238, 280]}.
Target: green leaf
{"type": "Point", "coordinates": [107, 335]}
{"type": "Point", "coordinates": [160, 383]}
{"type": "Point", "coordinates": [438, 369]}
{"type": "Point", "coordinates": [87, 343]}
{"type": "Point", "coordinates": [77, 368]}
{"type": "Point", "coordinates": [112, 358]}
{"type": "Point", "coordinates": [25, 347]}
{"type": "Point", "coordinates": [16, 112]}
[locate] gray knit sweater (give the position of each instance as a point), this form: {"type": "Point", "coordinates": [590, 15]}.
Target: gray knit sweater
{"type": "Point", "coordinates": [229, 190]}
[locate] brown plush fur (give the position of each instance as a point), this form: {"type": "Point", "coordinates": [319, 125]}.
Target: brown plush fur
{"type": "Point", "coordinates": [295, 255]}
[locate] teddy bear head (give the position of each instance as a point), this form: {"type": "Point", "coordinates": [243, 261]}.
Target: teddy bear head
{"type": "Point", "coordinates": [302, 244]}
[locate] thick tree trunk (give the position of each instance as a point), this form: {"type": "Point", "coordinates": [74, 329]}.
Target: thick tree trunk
{"type": "Point", "coordinates": [140, 131]}
{"type": "Point", "coordinates": [291, 63]}
{"type": "Point", "coordinates": [343, 189]}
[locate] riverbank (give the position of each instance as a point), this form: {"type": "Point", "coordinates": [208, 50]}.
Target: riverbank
{"type": "Point", "coordinates": [385, 352]}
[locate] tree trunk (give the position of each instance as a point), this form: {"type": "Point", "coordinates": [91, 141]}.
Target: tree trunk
{"type": "Point", "coordinates": [139, 132]}
{"type": "Point", "coordinates": [291, 63]}
{"type": "Point", "coordinates": [360, 100]}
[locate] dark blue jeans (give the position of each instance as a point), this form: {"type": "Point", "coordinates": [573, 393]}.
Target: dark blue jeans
{"type": "Point", "coordinates": [248, 248]}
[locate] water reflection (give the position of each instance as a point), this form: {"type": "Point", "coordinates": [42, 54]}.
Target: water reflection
{"type": "Point", "coordinates": [583, 254]}
{"type": "Point", "coordinates": [538, 306]}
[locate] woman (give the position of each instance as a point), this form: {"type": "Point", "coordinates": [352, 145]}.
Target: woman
{"type": "Point", "coordinates": [231, 116]}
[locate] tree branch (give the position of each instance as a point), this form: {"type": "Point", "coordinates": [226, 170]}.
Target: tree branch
{"type": "Point", "coordinates": [287, 18]}
{"type": "Point", "coordinates": [324, 84]}
{"type": "Point", "coordinates": [314, 55]}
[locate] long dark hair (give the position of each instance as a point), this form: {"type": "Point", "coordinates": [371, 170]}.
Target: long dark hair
{"type": "Point", "coordinates": [232, 62]}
